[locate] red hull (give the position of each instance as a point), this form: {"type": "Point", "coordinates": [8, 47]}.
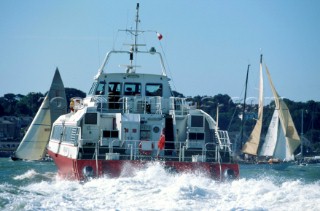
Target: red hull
{"type": "Point", "coordinates": [74, 169]}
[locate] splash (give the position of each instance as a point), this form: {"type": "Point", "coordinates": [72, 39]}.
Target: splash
{"type": "Point", "coordinates": [29, 174]}
{"type": "Point", "coordinates": [154, 188]}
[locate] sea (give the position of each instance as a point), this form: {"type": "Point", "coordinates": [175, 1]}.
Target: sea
{"type": "Point", "coordinates": [36, 186]}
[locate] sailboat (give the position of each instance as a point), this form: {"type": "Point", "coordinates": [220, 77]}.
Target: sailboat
{"type": "Point", "coordinates": [33, 144]}
{"type": "Point", "coordinates": [282, 138]}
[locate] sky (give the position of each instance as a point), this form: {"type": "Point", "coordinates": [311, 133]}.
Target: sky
{"type": "Point", "coordinates": [207, 44]}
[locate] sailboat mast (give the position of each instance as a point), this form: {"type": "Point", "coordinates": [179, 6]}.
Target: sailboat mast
{"type": "Point", "coordinates": [301, 134]}
{"type": "Point", "coordinates": [244, 107]}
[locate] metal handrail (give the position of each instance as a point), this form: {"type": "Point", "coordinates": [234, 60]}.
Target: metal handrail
{"type": "Point", "coordinates": [139, 104]}
{"type": "Point", "coordinates": [135, 152]}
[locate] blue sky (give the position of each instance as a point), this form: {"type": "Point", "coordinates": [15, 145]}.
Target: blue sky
{"type": "Point", "coordinates": [207, 44]}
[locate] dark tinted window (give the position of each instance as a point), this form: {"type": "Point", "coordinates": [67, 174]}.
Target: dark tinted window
{"type": "Point", "coordinates": [196, 136]}
{"type": "Point", "coordinates": [90, 119]}
{"type": "Point", "coordinates": [110, 134]}
{"type": "Point", "coordinates": [114, 88]}
{"type": "Point", "coordinates": [196, 121]}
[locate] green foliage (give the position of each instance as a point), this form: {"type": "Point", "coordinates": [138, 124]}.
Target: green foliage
{"type": "Point", "coordinates": [28, 105]}
{"type": "Point", "coordinates": [71, 92]}
{"type": "Point", "coordinates": [229, 112]}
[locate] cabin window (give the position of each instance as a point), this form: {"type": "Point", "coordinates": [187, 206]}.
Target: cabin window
{"type": "Point", "coordinates": [196, 121]}
{"type": "Point", "coordinates": [154, 90]}
{"type": "Point", "coordinates": [101, 88]}
{"type": "Point", "coordinates": [114, 88]}
{"type": "Point", "coordinates": [196, 136]}
{"type": "Point", "coordinates": [57, 132]}
{"type": "Point", "coordinates": [90, 119]}
{"type": "Point", "coordinates": [132, 89]}
{"type": "Point", "coordinates": [110, 134]}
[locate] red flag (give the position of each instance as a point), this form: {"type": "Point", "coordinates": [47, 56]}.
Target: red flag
{"type": "Point", "coordinates": [159, 36]}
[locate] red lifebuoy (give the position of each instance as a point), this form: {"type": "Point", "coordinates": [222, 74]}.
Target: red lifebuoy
{"type": "Point", "coordinates": [143, 151]}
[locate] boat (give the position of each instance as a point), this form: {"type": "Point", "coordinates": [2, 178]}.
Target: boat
{"type": "Point", "coordinates": [281, 139]}
{"type": "Point", "coordinates": [130, 120]}
{"type": "Point", "coordinates": [34, 143]}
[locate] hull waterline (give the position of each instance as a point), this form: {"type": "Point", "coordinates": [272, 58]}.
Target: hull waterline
{"type": "Point", "coordinates": [75, 169]}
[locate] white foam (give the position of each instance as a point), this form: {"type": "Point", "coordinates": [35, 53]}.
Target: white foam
{"type": "Point", "coordinates": [29, 174]}
{"type": "Point", "coordinates": [154, 188]}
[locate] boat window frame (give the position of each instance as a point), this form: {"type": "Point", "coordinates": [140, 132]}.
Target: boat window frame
{"type": "Point", "coordinates": [137, 88]}
{"type": "Point", "coordinates": [197, 121]}
{"type": "Point", "coordinates": [200, 136]}
{"type": "Point", "coordinates": [91, 118]}
{"type": "Point", "coordinates": [158, 91]}
{"type": "Point", "coordinates": [110, 133]}
{"type": "Point", "coordinates": [101, 88]}
{"type": "Point", "coordinates": [111, 90]}
{"type": "Point", "coordinates": [57, 132]}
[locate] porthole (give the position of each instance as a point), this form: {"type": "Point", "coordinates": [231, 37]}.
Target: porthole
{"type": "Point", "coordinates": [156, 129]}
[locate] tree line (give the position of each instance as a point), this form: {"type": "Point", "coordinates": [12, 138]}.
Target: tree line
{"type": "Point", "coordinates": [28, 105]}
{"type": "Point", "coordinates": [233, 118]}
{"type": "Point", "coordinates": [231, 113]}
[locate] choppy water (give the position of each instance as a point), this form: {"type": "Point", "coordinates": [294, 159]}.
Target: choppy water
{"type": "Point", "coordinates": [35, 186]}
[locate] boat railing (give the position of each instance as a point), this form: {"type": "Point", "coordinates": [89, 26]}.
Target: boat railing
{"type": "Point", "coordinates": [225, 152]}
{"type": "Point", "coordinates": [140, 104]}
{"type": "Point", "coordinates": [108, 56]}
{"type": "Point", "coordinates": [148, 150]}
{"type": "Point", "coordinates": [223, 138]}
{"type": "Point", "coordinates": [181, 106]}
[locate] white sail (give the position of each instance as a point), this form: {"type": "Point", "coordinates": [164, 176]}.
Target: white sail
{"type": "Point", "coordinates": [288, 138]}
{"type": "Point", "coordinates": [270, 141]}
{"type": "Point", "coordinates": [33, 144]}
{"type": "Point", "coordinates": [252, 144]}
{"type": "Point", "coordinates": [282, 151]}
{"type": "Point", "coordinates": [35, 140]}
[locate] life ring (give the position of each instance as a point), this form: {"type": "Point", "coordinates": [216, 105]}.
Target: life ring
{"type": "Point", "coordinates": [144, 151]}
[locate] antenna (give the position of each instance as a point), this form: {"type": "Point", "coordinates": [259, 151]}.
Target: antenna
{"type": "Point", "coordinates": [136, 31]}
{"type": "Point", "coordinates": [134, 48]}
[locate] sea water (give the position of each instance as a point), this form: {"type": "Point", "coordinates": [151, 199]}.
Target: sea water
{"type": "Point", "coordinates": [36, 186]}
